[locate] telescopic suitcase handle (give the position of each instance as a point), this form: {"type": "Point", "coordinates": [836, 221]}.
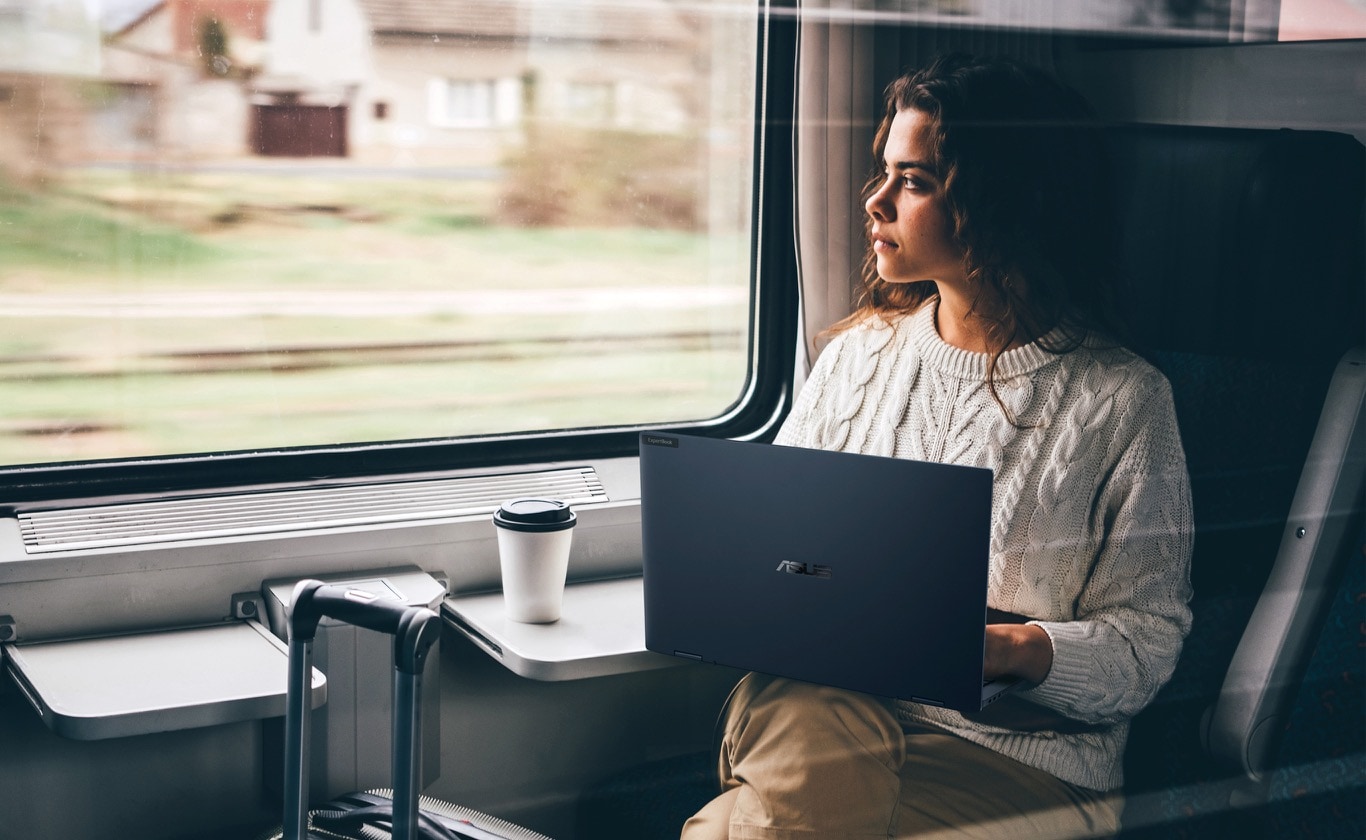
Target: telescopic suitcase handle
{"type": "Point", "coordinates": [415, 630]}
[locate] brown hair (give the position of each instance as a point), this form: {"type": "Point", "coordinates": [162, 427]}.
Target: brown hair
{"type": "Point", "coordinates": [1026, 186]}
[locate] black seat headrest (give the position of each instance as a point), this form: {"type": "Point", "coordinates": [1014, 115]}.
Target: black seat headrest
{"type": "Point", "coordinates": [1244, 242]}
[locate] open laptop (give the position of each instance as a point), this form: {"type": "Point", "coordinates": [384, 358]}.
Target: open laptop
{"type": "Point", "coordinates": [856, 571]}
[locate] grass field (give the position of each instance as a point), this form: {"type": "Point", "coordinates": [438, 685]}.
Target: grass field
{"type": "Point", "coordinates": [147, 313]}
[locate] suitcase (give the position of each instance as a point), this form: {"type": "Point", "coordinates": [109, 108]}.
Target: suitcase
{"type": "Point", "coordinates": [377, 814]}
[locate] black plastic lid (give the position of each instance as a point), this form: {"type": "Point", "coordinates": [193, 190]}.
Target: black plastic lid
{"type": "Point", "coordinates": [535, 515]}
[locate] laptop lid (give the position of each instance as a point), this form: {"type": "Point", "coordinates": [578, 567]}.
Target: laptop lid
{"type": "Point", "coordinates": [856, 571]}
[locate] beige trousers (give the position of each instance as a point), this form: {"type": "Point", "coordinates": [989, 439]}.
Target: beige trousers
{"type": "Point", "coordinates": [801, 761]}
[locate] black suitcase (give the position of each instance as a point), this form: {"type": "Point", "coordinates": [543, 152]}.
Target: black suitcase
{"type": "Point", "coordinates": [378, 814]}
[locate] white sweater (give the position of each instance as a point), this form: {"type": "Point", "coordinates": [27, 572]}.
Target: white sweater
{"type": "Point", "coordinates": [1091, 522]}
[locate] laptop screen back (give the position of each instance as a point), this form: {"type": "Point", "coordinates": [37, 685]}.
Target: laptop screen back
{"type": "Point", "coordinates": [855, 571]}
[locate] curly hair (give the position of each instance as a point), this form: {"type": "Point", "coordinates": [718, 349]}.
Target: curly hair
{"type": "Point", "coordinates": [1026, 186]}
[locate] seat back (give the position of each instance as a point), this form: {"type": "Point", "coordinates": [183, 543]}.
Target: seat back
{"type": "Point", "coordinates": [1244, 252]}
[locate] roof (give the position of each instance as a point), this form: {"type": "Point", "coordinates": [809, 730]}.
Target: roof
{"type": "Point", "coordinates": [576, 20]}
{"type": "Point", "coordinates": [119, 15]}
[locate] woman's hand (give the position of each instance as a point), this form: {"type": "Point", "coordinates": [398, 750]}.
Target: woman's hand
{"type": "Point", "coordinates": [1020, 650]}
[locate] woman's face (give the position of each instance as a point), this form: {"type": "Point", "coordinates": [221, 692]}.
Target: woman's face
{"type": "Point", "coordinates": [912, 231]}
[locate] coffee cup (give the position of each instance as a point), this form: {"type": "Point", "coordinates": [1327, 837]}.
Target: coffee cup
{"type": "Point", "coordinates": [534, 536]}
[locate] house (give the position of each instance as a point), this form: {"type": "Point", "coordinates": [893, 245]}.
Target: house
{"type": "Point", "coordinates": [315, 66]}
{"type": "Point", "coordinates": [456, 82]}
{"type": "Point", "coordinates": [41, 120]}
{"type": "Point", "coordinates": [48, 36]}
{"type": "Point", "coordinates": [174, 74]}
{"type": "Point", "coordinates": [387, 82]}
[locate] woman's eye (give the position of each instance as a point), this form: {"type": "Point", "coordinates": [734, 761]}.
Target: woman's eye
{"type": "Point", "coordinates": [907, 181]}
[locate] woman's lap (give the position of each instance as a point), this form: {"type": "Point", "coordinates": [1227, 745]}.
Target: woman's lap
{"type": "Point", "coordinates": [954, 788]}
{"type": "Point", "coordinates": [805, 761]}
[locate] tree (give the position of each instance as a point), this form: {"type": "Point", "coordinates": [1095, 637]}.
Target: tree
{"type": "Point", "coordinates": [213, 47]}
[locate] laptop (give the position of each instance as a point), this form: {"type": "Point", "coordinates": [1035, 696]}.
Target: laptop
{"type": "Point", "coordinates": [856, 571]}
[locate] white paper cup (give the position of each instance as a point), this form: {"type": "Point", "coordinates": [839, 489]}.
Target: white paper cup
{"type": "Point", "coordinates": [534, 536]}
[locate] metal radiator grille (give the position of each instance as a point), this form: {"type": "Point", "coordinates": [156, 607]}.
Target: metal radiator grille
{"type": "Point", "coordinates": [141, 523]}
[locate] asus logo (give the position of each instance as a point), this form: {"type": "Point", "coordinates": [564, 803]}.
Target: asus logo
{"type": "Point", "coordinates": [792, 567]}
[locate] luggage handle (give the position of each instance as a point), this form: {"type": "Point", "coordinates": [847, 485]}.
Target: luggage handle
{"type": "Point", "coordinates": [415, 630]}
{"type": "Point", "coordinates": [314, 600]}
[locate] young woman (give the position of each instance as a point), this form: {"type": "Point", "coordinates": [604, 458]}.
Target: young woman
{"type": "Point", "coordinates": [986, 338]}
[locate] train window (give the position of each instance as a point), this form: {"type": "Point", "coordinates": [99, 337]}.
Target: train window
{"type": "Point", "coordinates": [1321, 20]}
{"type": "Point", "coordinates": [256, 225]}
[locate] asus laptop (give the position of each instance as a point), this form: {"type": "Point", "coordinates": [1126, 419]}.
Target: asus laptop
{"type": "Point", "coordinates": [855, 571]}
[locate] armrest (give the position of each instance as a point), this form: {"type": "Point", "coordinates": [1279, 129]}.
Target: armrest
{"type": "Point", "coordinates": [1242, 726]}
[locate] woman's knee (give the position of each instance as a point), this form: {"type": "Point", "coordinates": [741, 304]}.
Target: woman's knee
{"type": "Point", "coordinates": [809, 758]}
{"type": "Point", "coordinates": [811, 721]}
{"type": "Point", "coordinates": [713, 821]}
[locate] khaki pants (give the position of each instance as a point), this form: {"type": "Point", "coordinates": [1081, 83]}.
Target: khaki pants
{"type": "Point", "coordinates": [801, 762]}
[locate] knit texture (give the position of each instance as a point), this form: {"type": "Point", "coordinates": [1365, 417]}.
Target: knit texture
{"type": "Point", "coordinates": [1091, 521]}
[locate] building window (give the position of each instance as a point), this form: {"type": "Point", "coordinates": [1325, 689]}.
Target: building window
{"type": "Point", "coordinates": [463, 102]}
{"type": "Point", "coordinates": [474, 103]}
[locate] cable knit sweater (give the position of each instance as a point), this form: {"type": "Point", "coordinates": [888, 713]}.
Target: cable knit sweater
{"type": "Point", "coordinates": [1091, 522]}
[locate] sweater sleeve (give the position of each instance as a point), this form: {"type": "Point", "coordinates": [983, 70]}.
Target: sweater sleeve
{"type": "Point", "coordinates": [1132, 613]}
{"type": "Point", "coordinates": [802, 425]}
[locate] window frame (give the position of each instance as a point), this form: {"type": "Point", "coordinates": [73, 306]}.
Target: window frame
{"type": "Point", "coordinates": [765, 396]}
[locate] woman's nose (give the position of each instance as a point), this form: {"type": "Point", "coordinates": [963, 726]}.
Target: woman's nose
{"type": "Point", "coordinates": [878, 206]}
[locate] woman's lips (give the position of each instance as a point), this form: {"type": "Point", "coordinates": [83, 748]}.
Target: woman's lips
{"type": "Point", "coordinates": [883, 245]}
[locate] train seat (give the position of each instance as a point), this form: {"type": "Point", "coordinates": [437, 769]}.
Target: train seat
{"type": "Point", "coordinates": [1244, 253]}
{"type": "Point", "coordinates": [1244, 258]}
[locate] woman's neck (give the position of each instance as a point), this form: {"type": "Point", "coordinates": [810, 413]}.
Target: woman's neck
{"type": "Point", "coordinates": [958, 326]}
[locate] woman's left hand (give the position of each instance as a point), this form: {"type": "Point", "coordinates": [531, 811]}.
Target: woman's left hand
{"type": "Point", "coordinates": [1020, 650]}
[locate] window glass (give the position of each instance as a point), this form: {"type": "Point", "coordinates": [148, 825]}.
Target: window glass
{"type": "Point", "coordinates": [232, 225]}
{"type": "Point", "coordinates": [1318, 20]}
{"type": "Point", "coordinates": [1195, 21]}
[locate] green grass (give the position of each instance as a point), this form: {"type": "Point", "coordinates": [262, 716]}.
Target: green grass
{"type": "Point", "coordinates": [176, 414]}
{"type": "Point", "coordinates": [213, 232]}
{"type": "Point", "coordinates": [65, 233]}
{"type": "Point", "coordinates": [100, 377]}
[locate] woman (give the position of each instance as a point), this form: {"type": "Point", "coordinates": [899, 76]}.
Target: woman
{"type": "Point", "coordinates": [986, 338]}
